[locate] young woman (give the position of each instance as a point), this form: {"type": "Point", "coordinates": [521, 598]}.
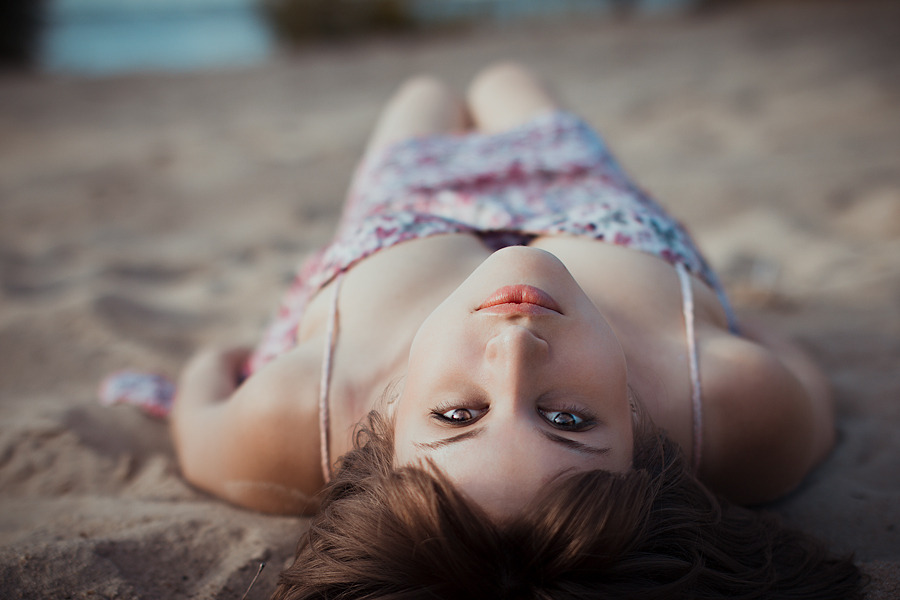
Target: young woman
{"type": "Point", "coordinates": [547, 373]}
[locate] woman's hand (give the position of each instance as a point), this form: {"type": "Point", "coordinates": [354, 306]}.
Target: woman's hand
{"type": "Point", "coordinates": [212, 375]}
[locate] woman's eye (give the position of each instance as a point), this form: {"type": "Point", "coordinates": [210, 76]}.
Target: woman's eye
{"type": "Point", "coordinates": [458, 415]}
{"type": "Point", "coordinates": [563, 419]}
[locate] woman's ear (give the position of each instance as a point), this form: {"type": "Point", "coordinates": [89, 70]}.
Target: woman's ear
{"type": "Point", "coordinates": [636, 407]}
{"type": "Point", "coordinates": [387, 405]}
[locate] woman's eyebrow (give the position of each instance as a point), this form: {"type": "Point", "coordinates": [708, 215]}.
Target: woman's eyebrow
{"type": "Point", "coordinates": [447, 441]}
{"type": "Point", "coordinates": [573, 444]}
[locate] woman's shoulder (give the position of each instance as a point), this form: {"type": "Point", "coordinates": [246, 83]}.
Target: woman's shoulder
{"type": "Point", "coordinates": [764, 426]}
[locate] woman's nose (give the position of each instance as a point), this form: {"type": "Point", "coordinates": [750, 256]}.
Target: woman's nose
{"type": "Point", "coordinates": [515, 344]}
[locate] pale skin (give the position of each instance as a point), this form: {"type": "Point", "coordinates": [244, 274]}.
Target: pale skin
{"type": "Point", "coordinates": [535, 396]}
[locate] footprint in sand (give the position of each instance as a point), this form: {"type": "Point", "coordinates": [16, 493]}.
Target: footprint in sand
{"type": "Point", "coordinates": [27, 277]}
{"type": "Point", "coordinates": [148, 272]}
{"type": "Point", "coordinates": [161, 328]}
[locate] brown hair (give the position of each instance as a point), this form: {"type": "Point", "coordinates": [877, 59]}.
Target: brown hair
{"type": "Point", "coordinates": [654, 532]}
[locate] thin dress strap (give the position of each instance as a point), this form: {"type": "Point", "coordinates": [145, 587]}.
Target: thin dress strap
{"type": "Point", "coordinates": [325, 380]}
{"type": "Point", "coordinates": [687, 297]}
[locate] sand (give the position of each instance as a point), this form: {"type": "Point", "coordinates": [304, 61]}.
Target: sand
{"type": "Point", "coordinates": [144, 216]}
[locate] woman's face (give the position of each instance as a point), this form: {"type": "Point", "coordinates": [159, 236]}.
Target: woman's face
{"type": "Point", "coordinates": [515, 378]}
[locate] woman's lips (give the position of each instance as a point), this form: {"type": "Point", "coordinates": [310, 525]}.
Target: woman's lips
{"type": "Point", "coordinates": [523, 299]}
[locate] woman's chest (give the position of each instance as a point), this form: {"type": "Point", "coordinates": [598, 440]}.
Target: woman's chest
{"type": "Point", "coordinates": [382, 294]}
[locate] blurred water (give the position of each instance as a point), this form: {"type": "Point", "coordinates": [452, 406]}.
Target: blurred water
{"type": "Point", "coordinates": [102, 37]}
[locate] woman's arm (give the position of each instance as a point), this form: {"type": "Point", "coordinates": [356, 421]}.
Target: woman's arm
{"type": "Point", "coordinates": [768, 415]}
{"type": "Point", "coordinates": [255, 445]}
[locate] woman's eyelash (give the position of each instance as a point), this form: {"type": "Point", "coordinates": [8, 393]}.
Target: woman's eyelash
{"type": "Point", "coordinates": [440, 409]}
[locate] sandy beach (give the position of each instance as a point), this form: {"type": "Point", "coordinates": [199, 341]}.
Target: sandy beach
{"type": "Point", "coordinates": [144, 216]}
